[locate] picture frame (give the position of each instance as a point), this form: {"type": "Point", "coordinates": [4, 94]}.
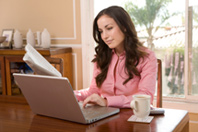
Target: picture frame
{"type": "Point", "coordinates": [9, 37]}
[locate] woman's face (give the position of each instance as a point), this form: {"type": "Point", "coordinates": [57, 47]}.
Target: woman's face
{"type": "Point", "coordinates": [111, 33]}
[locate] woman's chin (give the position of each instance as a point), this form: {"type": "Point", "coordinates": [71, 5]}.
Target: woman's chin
{"type": "Point", "coordinates": [111, 47]}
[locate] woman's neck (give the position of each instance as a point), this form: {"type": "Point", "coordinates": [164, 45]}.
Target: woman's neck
{"type": "Point", "coordinates": [119, 52]}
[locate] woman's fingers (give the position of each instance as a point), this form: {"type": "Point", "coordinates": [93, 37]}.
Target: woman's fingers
{"type": "Point", "coordinates": [90, 99]}
{"type": "Point", "coordinates": [95, 99]}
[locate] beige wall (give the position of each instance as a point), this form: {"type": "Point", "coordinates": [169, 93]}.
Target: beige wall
{"type": "Point", "coordinates": [60, 17]}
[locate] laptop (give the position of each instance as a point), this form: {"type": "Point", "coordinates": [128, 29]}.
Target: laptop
{"type": "Point", "coordinates": [54, 97]}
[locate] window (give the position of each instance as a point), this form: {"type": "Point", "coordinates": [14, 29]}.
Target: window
{"type": "Point", "coordinates": [192, 49]}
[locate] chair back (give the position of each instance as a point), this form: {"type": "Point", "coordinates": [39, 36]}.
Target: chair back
{"type": "Point", "coordinates": [159, 84]}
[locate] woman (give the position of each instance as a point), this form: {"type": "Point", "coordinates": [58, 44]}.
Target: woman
{"type": "Point", "coordinates": [122, 65]}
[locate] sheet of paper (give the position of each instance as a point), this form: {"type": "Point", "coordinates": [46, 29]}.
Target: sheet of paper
{"type": "Point", "coordinates": [148, 119]}
{"type": "Point", "coordinates": [38, 63]}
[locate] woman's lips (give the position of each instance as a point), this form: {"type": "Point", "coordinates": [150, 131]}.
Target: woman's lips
{"type": "Point", "coordinates": [108, 42]}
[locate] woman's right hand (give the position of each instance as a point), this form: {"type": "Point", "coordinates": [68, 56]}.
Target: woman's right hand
{"type": "Point", "coordinates": [95, 99]}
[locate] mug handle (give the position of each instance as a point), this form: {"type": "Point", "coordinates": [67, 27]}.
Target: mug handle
{"type": "Point", "coordinates": [133, 105]}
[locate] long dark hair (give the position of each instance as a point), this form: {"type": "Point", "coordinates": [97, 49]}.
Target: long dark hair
{"type": "Point", "coordinates": [132, 45]}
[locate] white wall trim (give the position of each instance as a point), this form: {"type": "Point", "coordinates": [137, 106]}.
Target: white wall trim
{"type": "Point", "coordinates": [67, 45]}
{"type": "Point", "coordinates": [75, 77]}
{"type": "Point", "coordinates": [87, 15]}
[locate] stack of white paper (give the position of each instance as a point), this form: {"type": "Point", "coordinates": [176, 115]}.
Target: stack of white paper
{"type": "Point", "coordinates": [38, 63]}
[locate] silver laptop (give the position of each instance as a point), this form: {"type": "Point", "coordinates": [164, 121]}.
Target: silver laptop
{"type": "Point", "coordinates": [54, 97]}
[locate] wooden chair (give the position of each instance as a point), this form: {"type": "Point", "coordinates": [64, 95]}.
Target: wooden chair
{"type": "Point", "coordinates": [159, 84]}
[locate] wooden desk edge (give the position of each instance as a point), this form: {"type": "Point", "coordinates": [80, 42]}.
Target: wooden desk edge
{"type": "Point", "coordinates": [184, 124]}
{"type": "Point", "coordinates": [13, 99]}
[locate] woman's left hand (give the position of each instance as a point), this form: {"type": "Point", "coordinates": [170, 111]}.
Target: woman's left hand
{"type": "Point", "coordinates": [95, 99]}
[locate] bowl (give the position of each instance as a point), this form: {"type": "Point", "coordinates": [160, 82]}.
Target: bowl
{"type": "Point", "coordinates": [2, 39]}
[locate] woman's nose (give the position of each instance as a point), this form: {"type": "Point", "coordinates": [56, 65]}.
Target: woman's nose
{"type": "Point", "coordinates": [105, 35]}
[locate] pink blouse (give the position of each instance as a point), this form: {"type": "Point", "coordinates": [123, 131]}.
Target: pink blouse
{"type": "Point", "coordinates": [117, 94]}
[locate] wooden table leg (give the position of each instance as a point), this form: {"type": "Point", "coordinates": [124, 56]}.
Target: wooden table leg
{"type": "Point", "coordinates": [3, 77]}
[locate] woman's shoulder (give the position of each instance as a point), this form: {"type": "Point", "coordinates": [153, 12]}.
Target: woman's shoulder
{"type": "Point", "coordinates": [150, 55]}
{"type": "Point", "coordinates": [148, 51]}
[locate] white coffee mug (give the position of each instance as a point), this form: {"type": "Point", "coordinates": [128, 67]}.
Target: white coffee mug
{"type": "Point", "coordinates": [141, 105]}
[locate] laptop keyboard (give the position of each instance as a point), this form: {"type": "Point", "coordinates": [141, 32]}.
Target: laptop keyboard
{"type": "Point", "coordinates": [92, 111]}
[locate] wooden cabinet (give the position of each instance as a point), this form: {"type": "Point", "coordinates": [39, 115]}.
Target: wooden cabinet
{"type": "Point", "coordinates": [2, 75]}
{"type": "Point", "coordinates": [8, 56]}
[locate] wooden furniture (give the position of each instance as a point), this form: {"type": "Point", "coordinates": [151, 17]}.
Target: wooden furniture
{"type": "Point", "coordinates": [10, 59]}
{"type": "Point", "coordinates": [55, 62]}
{"type": "Point", "coordinates": [159, 84]}
{"type": "Point", "coordinates": [19, 117]}
{"type": "Point", "coordinates": [16, 55]}
{"type": "Point", "coordinates": [2, 72]}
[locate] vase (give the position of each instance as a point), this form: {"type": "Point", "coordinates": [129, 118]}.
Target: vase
{"type": "Point", "coordinates": [45, 39]}
{"type": "Point", "coordinates": [18, 40]}
{"type": "Point", "coordinates": [30, 38]}
{"type": "Point", "coordinates": [38, 34]}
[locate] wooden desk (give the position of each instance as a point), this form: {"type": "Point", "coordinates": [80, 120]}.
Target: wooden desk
{"type": "Point", "coordinates": [15, 55]}
{"type": "Point", "coordinates": [19, 117]}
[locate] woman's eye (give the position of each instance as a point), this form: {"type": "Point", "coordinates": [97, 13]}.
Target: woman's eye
{"type": "Point", "coordinates": [100, 31]}
{"type": "Point", "coordinates": [109, 28]}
